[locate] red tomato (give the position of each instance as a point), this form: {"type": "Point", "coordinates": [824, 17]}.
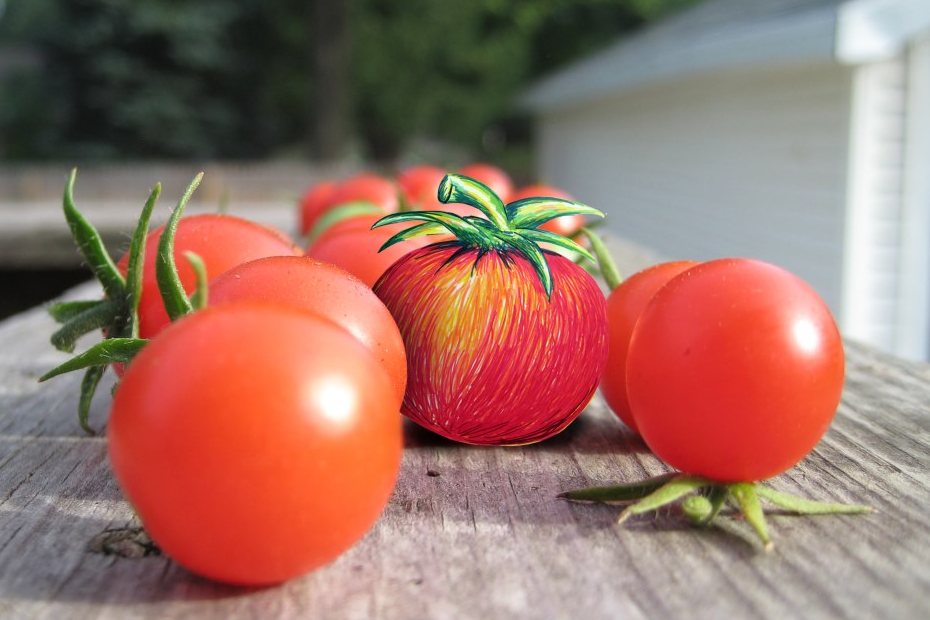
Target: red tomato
{"type": "Point", "coordinates": [326, 290]}
{"type": "Point", "coordinates": [420, 185]}
{"type": "Point", "coordinates": [734, 371]}
{"type": "Point", "coordinates": [353, 246]}
{"type": "Point", "coordinates": [491, 360]}
{"type": "Point", "coordinates": [492, 176]}
{"type": "Point", "coordinates": [566, 226]}
{"type": "Point", "coordinates": [222, 241]}
{"type": "Point", "coordinates": [314, 204]}
{"type": "Point", "coordinates": [368, 187]}
{"type": "Point", "coordinates": [421, 189]}
{"type": "Point", "coordinates": [256, 442]}
{"type": "Point", "coordinates": [624, 305]}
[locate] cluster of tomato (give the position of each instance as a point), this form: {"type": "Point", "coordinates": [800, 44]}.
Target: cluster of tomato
{"type": "Point", "coordinates": [730, 369]}
{"type": "Point", "coordinates": [336, 216]}
{"type": "Point", "coordinates": [258, 437]}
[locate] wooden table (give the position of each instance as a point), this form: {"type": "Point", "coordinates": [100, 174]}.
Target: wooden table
{"type": "Point", "coordinates": [477, 532]}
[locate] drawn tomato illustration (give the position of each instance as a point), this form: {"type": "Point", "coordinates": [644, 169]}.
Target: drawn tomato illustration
{"type": "Point", "coordinates": [505, 341]}
{"type": "Point", "coordinates": [568, 226]}
{"type": "Point", "coordinates": [495, 178]}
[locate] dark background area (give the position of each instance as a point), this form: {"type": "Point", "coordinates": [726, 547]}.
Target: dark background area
{"type": "Point", "coordinates": [25, 288]}
{"type": "Point", "coordinates": [379, 83]}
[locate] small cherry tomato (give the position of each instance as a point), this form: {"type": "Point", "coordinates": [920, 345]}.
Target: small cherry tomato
{"type": "Point", "coordinates": [255, 441]}
{"type": "Point", "coordinates": [624, 305]}
{"type": "Point", "coordinates": [352, 245]}
{"type": "Point", "coordinates": [421, 188]}
{"type": "Point", "coordinates": [368, 187]}
{"type": "Point", "coordinates": [326, 290]}
{"type": "Point", "coordinates": [420, 185]}
{"type": "Point", "coordinates": [492, 176]}
{"type": "Point", "coordinates": [734, 371]}
{"type": "Point", "coordinates": [314, 203]}
{"type": "Point", "coordinates": [222, 241]}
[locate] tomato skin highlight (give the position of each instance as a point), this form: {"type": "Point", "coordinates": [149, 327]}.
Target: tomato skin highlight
{"type": "Point", "coordinates": [354, 246]}
{"type": "Point", "coordinates": [735, 370]}
{"type": "Point", "coordinates": [624, 306]}
{"type": "Point", "coordinates": [324, 289]}
{"type": "Point", "coordinates": [222, 241]}
{"type": "Point", "coordinates": [489, 359]}
{"type": "Point", "coordinates": [256, 442]}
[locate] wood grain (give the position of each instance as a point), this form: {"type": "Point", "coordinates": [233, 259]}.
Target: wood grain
{"type": "Point", "coordinates": [474, 532]}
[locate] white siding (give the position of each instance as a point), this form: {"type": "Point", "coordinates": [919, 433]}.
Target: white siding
{"type": "Point", "coordinates": [874, 232]}
{"type": "Point", "coordinates": [738, 164]}
{"type": "Point", "coordinates": [912, 338]}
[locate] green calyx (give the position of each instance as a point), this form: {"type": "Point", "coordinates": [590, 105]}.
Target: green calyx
{"type": "Point", "coordinates": [605, 261]}
{"type": "Point", "coordinates": [117, 314]}
{"type": "Point", "coordinates": [505, 228]}
{"type": "Point", "coordinates": [703, 500]}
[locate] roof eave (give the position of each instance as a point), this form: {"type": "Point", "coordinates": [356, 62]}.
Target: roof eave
{"type": "Point", "coordinates": [851, 32]}
{"type": "Point", "coordinates": [875, 30]}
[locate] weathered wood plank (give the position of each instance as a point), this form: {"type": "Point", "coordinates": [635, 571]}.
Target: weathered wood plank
{"type": "Point", "coordinates": [477, 532]}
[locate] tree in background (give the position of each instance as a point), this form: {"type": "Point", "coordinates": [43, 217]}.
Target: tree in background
{"type": "Point", "coordinates": [165, 79]}
{"type": "Point", "coordinates": [249, 79]}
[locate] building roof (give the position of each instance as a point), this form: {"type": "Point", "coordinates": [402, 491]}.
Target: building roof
{"type": "Point", "coordinates": [737, 34]}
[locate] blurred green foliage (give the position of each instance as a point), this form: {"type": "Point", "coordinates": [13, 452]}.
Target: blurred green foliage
{"type": "Point", "coordinates": [231, 78]}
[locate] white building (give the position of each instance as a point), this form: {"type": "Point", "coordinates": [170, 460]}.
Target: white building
{"type": "Point", "coordinates": [794, 131]}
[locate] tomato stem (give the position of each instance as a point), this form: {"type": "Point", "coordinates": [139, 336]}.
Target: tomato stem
{"type": "Point", "coordinates": [510, 229]}
{"type": "Point", "coordinates": [745, 495]}
{"type": "Point", "coordinates": [701, 510]}
{"type": "Point", "coordinates": [342, 213]}
{"type": "Point", "coordinates": [91, 244]}
{"type": "Point", "coordinates": [134, 263]}
{"type": "Point", "coordinates": [175, 298]}
{"type": "Point", "coordinates": [618, 492]}
{"type": "Point", "coordinates": [605, 261]}
{"type": "Point", "coordinates": [117, 314]}
{"type": "Point", "coordinates": [468, 191]}
{"type": "Point", "coordinates": [200, 295]}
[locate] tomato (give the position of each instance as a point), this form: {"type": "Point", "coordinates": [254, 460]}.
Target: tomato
{"type": "Point", "coordinates": [255, 441]}
{"type": "Point", "coordinates": [362, 187]}
{"type": "Point", "coordinates": [352, 245]}
{"type": "Point", "coordinates": [421, 187]}
{"type": "Point", "coordinates": [624, 305]}
{"type": "Point", "coordinates": [368, 187]}
{"type": "Point", "coordinates": [314, 203]}
{"type": "Point", "coordinates": [326, 290]}
{"type": "Point", "coordinates": [505, 342]}
{"type": "Point", "coordinates": [539, 189]}
{"type": "Point", "coordinates": [420, 184]}
{"type": "Point", "coordinates": [222, 241]}
{"type": "Point", "coordinates": [491, 360]}
{"type": "Point", "coordinates": [734, 370]}
{"type": "Point", "coordinates": [495, 178]}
